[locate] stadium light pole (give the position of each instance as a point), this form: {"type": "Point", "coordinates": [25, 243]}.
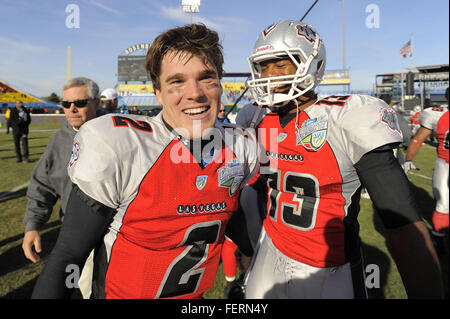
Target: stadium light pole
{"type": "Point", "coordinates": [191, 6]}
{"type": "Point", "coordinates": [68, 62]}
{"type": "Point", "coordinates": [343, 35]}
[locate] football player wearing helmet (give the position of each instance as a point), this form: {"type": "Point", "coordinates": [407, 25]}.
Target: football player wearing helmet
{"type": "Point", "coordinates": [157, 200]}
{"type": "Point", "coordinates": [435, 119]}
{"type": "Point", "coordinates": [326, 149]}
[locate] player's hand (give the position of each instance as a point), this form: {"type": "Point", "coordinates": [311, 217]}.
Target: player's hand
{"type": "Point", "coordinates": [32, 238]}
{"type": "Point", "coordinates": [408, 165]}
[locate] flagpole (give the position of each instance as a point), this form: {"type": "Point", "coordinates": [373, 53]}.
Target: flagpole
{"type": "Point", "coordinates": [411, 58]}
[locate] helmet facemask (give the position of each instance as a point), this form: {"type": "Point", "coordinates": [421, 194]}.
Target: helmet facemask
{"type": "Point", "coordinates": [309, 70]}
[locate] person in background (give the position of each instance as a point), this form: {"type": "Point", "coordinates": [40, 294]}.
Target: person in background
{"type": "Point", "coordinates": [435, 119]}
{"type": "Point", "coordinates": [229, 264]}
{"type": "Point", "coordinates": [19, 120]}
{"type": "Point", "coordinates": [221, 117]}
{"type": "Point", "coordinates": [109, 101]}
{"type": "Point", "coordinates": [49, 180]}
{"type": "Point", "coordinates": [7, 115]}
{"type": "Point", "coordinates": [415, 119]}
{"type": "Point", "coordinates": [135, 111]}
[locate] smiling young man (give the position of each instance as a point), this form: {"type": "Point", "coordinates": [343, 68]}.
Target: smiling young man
{"type": "Point", "coordinates": [158, 224]}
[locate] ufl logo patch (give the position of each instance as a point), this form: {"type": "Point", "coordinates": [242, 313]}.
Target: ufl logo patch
{"type": "Point", "coordinates": [313, 134]}
{"type": "Point", "coordinates": [75, 153]}
{"type": "Point", "coordinates": [200, 182]}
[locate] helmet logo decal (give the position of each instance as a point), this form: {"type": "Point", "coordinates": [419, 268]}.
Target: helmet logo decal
{"type": "Point", "coordinates": [307, 32]}
{"type": "Point", "coordinates": [269, 29]}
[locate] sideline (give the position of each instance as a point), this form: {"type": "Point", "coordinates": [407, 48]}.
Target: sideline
{"type": "Point", "coordinates": [423, 176]}
{"type": "Point", "coordinates": [34, 130]}
{"type": "Point", "coordinates": [15, 189]}
{"type": "Point", "coordinates": [31, 131]}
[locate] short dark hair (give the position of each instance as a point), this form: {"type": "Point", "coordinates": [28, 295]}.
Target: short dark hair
{"type": "Point", "coordinates": [386, 98]}
{"type": "Point", "coordinates": [196, 39]}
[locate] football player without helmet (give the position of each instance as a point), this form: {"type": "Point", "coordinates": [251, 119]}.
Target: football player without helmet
{"type": "Point", "coordinates": [309, 246]}
{"type": "Point", "coordinates": [126, 197]}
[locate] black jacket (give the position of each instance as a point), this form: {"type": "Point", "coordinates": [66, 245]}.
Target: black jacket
{"type": "Point", "coordinates": [18, 123]}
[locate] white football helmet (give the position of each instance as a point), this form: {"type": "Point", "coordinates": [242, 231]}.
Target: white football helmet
{"type": "Point", "coordinates": [287, 39]}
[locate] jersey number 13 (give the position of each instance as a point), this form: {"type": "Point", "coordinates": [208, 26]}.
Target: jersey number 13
{"type": "Point", "coordinates": [300, 210]}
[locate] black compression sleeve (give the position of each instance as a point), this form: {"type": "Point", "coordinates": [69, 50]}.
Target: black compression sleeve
{"type": "Point", "coordinates": [84, 224]}
{"type": "Point", "coordinates": [388, 187]}
{"type": "Point", "coordinates": [237, 231]}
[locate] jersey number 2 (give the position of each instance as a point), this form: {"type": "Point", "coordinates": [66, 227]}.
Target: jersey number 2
{"type": "Point", "coordinates": [182, 277]}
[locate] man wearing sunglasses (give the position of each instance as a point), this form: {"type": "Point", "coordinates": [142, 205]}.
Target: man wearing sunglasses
{"type": "Point", "coordinates": [80, 103]}
{"type": "Point", "coordinates": [221, 117]}
{"type": "Point", "coordinates": [50, 180]}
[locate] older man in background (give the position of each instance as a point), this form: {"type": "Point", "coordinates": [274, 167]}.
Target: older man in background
{"type": "Point", "coordinates": [50, 180]}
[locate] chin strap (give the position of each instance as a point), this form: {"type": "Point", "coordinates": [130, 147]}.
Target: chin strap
{"type": "Point", "coordinates": [310, 98]}
{"type": "Point", "coordinates": [296, 117]}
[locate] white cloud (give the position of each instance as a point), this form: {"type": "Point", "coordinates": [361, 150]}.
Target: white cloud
{"type": "Point", "coordinates": [21, 46]}
{"type": "Point", "coordinates": [106, 8]}
{"type": "Point", "coordinates": [233, 21]}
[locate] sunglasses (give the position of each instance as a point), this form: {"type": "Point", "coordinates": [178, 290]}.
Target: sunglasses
{"type": "Point", "coordinates": [221, 111]}
{"type": "Point", "coordinates": [78, 103]}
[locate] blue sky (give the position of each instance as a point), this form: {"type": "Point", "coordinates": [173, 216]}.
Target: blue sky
{"type": "Point", "coordinates": [34, 36]}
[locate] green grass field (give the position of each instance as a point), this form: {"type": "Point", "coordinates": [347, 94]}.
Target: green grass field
{"type": "Point", "coordinates": [18, 275]}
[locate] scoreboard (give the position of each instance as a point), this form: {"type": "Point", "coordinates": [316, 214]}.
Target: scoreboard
{"type": "Point", "coordinates": [132, 68]}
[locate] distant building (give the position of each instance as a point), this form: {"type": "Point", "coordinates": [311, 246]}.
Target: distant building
{"type": "Point", "coordinates": [424, 87]}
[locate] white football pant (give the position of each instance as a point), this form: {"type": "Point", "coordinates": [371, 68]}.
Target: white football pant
{"type": "Point", "coordinates": [276, 276]}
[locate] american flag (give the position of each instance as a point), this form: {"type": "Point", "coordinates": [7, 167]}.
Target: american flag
{"type": "Point", "coordinates": [406, 49]}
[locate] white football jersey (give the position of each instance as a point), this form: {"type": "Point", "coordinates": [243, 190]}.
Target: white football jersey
{"type": "Point", "coordinates": [311, 178]}
{"type": "Point", "coordinates": [171, 211]}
